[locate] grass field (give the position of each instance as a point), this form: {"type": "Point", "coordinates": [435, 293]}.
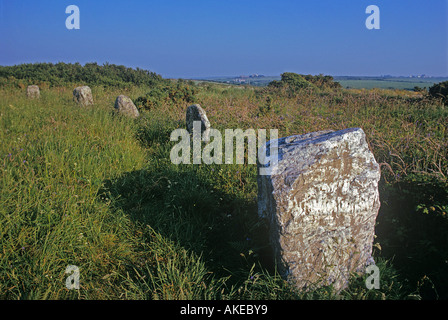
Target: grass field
{"type": "Point", "coordinates": [81, 186]}
{"type": "Point", "coordinates": [388, 83]}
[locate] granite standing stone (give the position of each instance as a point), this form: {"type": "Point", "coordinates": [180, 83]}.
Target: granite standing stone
{"type": "Point", "coordinates": [32, 91]}
{"type": "Point", "coordinates": [196, 113]}
{"type": "Point", "coordinates": [125, 106]}
{"type": "Point", "coordinates": [83, 96]}
{"type": "Point", "coordinates": [320, 202]}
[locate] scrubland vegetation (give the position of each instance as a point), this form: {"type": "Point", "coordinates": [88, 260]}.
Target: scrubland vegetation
{"type": "Point", "coordinates": [82, 186]}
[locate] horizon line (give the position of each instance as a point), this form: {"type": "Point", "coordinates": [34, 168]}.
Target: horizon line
{"type": "Point", "coordinates": [234, 76]}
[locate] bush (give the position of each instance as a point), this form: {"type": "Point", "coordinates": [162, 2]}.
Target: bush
{"type": "Point", "coordinates": [178, 93]}
{"type": "Point", "coordinates": [322, 81]}
{"type": "Point", "coordinates": [293, 82]}
{"type": "Point", "coordinates": [440, 90]}
{"type": "Point", "coordinates": [89, 74]}
{"type": "Point", "coordinates": [152, 99]}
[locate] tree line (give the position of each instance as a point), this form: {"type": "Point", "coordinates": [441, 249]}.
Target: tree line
{"type": "Point", "coordinates": [90, 74]}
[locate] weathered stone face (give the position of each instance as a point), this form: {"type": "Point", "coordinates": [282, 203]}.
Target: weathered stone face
{"type": "Point", "coordinates": [32, 91]}
{"type": "Point", "coordinates": [83, 95]}
{"type": "Point", "coordinates": [321, 202]}
{"type": "Point", "coordinates": [125, 106]}
{"type": "Point", "coordinates": [196, 113]}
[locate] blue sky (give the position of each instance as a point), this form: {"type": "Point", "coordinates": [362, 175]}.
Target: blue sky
{"type": "Point", "coordinates": [198, 38]}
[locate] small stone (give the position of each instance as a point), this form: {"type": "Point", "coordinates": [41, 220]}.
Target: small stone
{"type": "Point", "coordinates": [320, 202]}
{"type": "Point", "coordinates": [83, 95]}
{"type": "Point", "coordinates": [125, 106]}
{"type": "Point", "coordinates": [32, 91]}
{"type": "Point", "coordinates": [196, 113]}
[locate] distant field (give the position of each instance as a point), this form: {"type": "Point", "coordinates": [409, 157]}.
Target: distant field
{"type": "Point", "coordinates": [388, 83]}
{"type": "Point", "coordinates": [347, 82]}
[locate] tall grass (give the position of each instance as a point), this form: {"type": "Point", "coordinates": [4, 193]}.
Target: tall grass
{"type": "Point", "coordinates": [80, 186]}
{"type": "Point", "coordinates": [55, 157]}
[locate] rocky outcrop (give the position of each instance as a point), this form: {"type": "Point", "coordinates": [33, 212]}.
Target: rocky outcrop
{"type": "Point", "coordinates": [320, 202]}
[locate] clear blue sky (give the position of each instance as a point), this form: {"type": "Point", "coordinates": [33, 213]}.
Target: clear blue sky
{"type": "Point", "coordinates": [196, 38]}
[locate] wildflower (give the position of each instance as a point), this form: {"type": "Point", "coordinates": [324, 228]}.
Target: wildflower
{"type": "Point", "coordinates": [24, 161]}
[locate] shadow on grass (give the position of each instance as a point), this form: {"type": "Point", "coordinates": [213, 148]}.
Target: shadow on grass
{"type": "Point", "coordinates": [413, 231]}
{"type": "Point", "coordinates": [188, 205]}
{"type": "Point", "coordinates": [188, 210]}
{"type": "Point", "coordinates": [185, 204]}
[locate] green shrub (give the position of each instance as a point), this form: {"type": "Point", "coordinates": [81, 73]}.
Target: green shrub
{"type": "Point", "coordinates": [322, 81]}
{"type": "Point", "coordinates": [179, 93]}
{"type": "Point", "coordinates": [291, 83]}
{"type": "Point", "coordinates": [90, 74]}
{"type": "Point", "coordinates": [440, 90]}
{"type": "Point", "coordinates": [294, 82]}
{"type": "Point", "coordinates": [152, 99]}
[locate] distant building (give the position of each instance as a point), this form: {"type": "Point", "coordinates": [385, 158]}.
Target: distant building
{"type": "Point", "coordinates": [419, 76]}
{"type": "Point", "coordinates": [246, 79]}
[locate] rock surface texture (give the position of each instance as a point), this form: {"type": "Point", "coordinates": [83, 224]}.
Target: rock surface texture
{"type": "Point", "coordinates": [321, 201]}
{"type": "Point", "coordinates": [196, 113]}
{"type": "Point", "coordinates": [83, 95]}
{"type": "Point", "coordinates": [125, 106]}
{"type": "Point", "coordinates": [32, 91]}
